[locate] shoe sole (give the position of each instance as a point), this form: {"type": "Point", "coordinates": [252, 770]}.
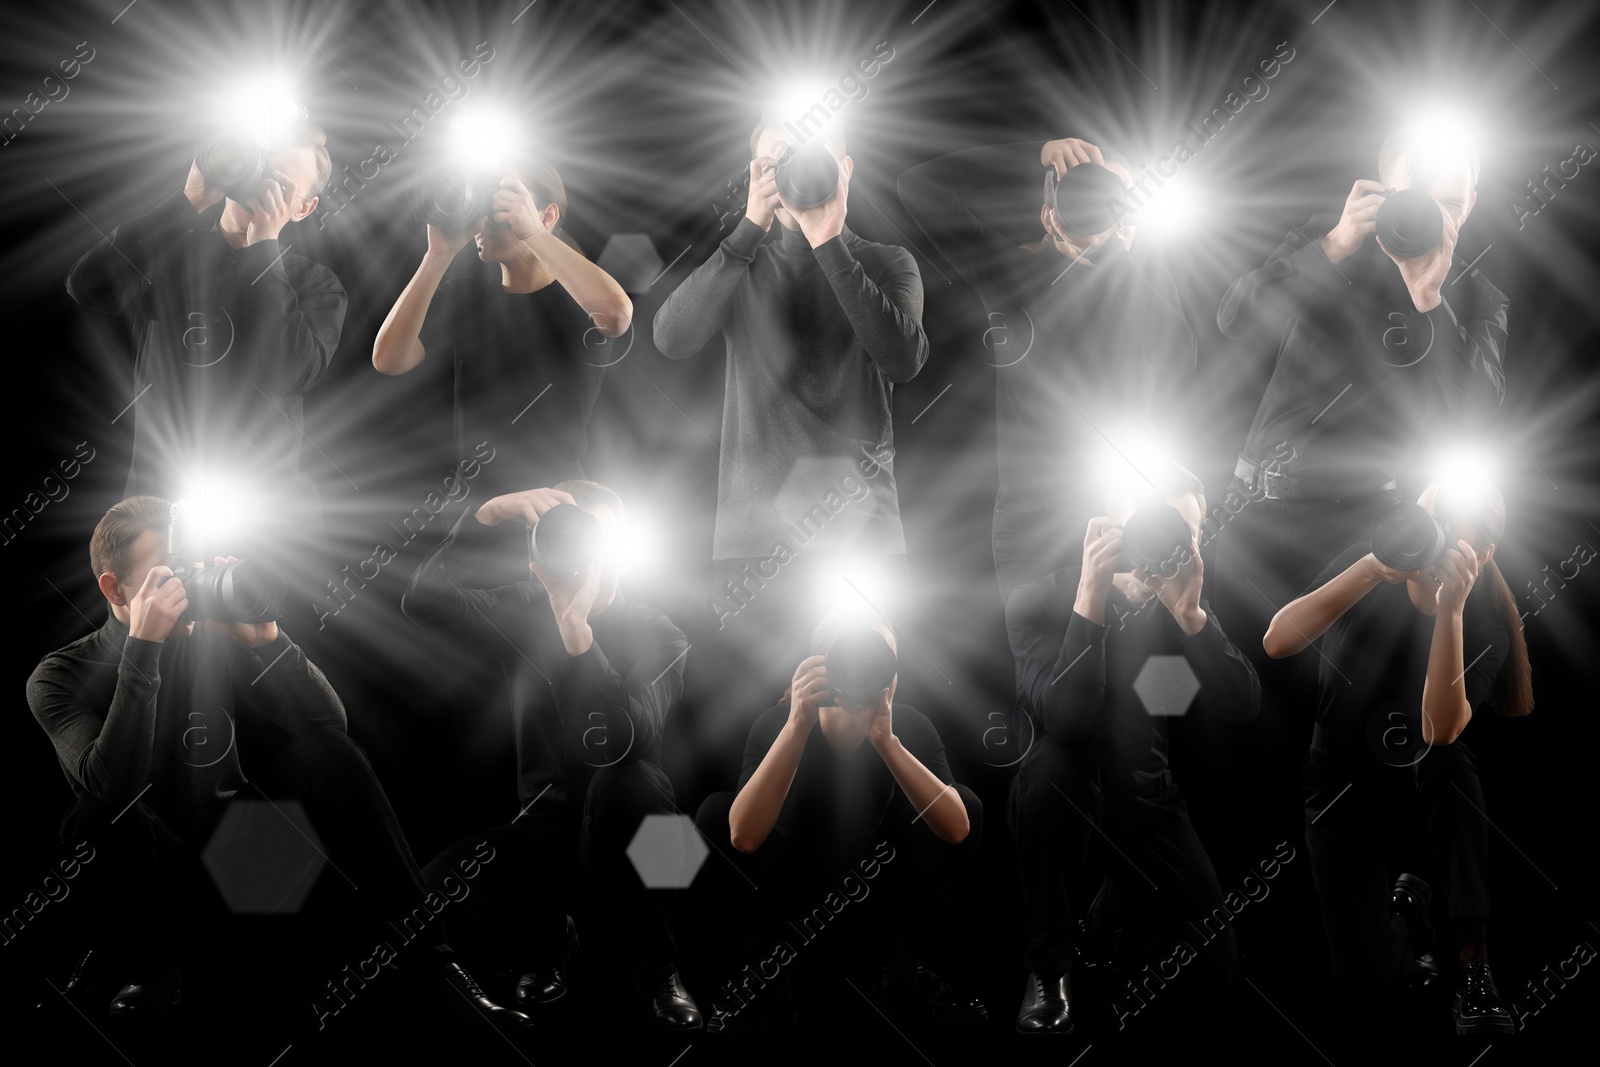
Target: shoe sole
{"type": "Point", "coordinates": [1483, 1027]}
{"type": "Point", "coordinates": [1047, 1033]}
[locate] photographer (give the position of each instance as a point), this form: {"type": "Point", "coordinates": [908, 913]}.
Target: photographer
{"type": "Point", "coordinates": [523, 335]}
{"type": "Point", "coordinates": [592, 677]}
{"type": "Point", "coordinates": [1078, 325]}
{"type": "Point", "coordinates": [1409, 655]}
{"type": "Point", "coordinates": [1371, 346]}
{"type": "Point", "coordinates": [150, 717]}
{"type": "Point", "coordinates": [233, 329]}
{"type": "Point", "coordinates": [819, 325]}
{"type": "Point", "coordinates": [811, 803]}
{"type": "Point", "coordinates": [1081, 638]}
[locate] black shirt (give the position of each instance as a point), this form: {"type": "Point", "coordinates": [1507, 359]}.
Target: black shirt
{"type": "Point", "coordinates": [1375, 657]}
{"type": "Point", "coordinates": [1074, 345]}
{"type": "Point", "coordinates": [227, 342]}
{"type": "Point", "coordinates": [816, 339]}
{"type": "Point", "coordinates": [571, 715]}
{"type": "Point", "coordinates": [1076, 679]}
{"type": "Point", "coordinates": [1350, 391]}
{"type": "Point", "coordinates": [124, 713]}
{"type": "Point", "coordinates": [525, 378]}
{"type": "Point", "coordinates": [844, 797]}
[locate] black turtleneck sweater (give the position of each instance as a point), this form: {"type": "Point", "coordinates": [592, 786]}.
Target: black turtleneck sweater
{"type": "Point", "coordinates": [125, 713]}
{"type": "Point", "coordinates": [816, 339]}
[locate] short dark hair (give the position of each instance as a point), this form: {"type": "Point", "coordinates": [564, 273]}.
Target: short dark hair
{"type": "Point", "coordinates": [307, 134]}
{"type": "Point", "coordinates": [111, 545]}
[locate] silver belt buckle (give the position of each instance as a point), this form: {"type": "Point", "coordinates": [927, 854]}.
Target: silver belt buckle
{"type": "Point", "coordinates": [1265, 477]}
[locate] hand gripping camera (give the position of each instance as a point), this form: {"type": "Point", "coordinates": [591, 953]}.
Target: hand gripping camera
{"type": "Point", "coordinates": [245, 590]}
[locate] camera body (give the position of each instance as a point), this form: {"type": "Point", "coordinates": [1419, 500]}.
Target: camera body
{"type": "Point", "coordinates": [1084, 197]}
{"type": "Point", "coordinates": [860, 666]}
{"type": "Point", "coordinates": [246, 590]}
{"type": "Point", "coordinates": [1409, 223]}
{"type": "Point", "coordinates": [808, 176]}
{"type": "Point", "coordinates": [1407, 538]}
{"type": "Point", "coordinates": [453, 198]}
{"type": "Point", "coordinates": [564, 541]}
{"type": "Point", "coordinates": [1156, 540]}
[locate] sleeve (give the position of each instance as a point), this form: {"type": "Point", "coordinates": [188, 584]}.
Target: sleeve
{"type": "Point", "coordinates": [106, 750]}
{"type": "Point", "coordinates": [1162, 329]}
{"type": "Point", "coordinates": [278, 682]}
{"type": "Point", "coordinates": [1060, 678]}
{"type": "Point", "coordinates": [488, 622]}
{"type": "Point", "coordinates": [969, 203]}
{"type": "Point", "coordinates": [1484, 649]}
{"type": "Point", "coordinates": [600, 707]}
{"type": "Point", "coordinates": [307, 318]}
{"type": "Point", "coordinates": [1229, 687]}
{"type": "Point", "coordinates": [1340, 564]}
{"type": "Point", "coordinates": [763, 734]}
{"type": "Point", "coordinates": [921, 738]}
{"type": "Point", "coordinates": [1263, 301]}
{"type": "Point", "coordinates": [698, 309]}
{"type": "Point", "coordinates": [440, 324]}
{"type": "Point", "coordinates": [886, 314]}
{"type": "Point", "coordinates": [1473, 346]}
{"type": "Point", "coordinates": [114, 276]}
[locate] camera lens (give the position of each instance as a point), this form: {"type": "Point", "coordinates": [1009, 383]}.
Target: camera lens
{"type": "Point", "coordinates": [231, 162]}
{"type": "Point", "coordinates": [1085, 197]}
{"type": "Point", "coordinates": [860, 666]}
{"type": "Point", "coordinates": [1406, 537]}
{"type": "Point", "coordinates": [451, 199]}
{"type": "Point", "coordinates": [1410, 224]}
{"type": "Point", "coordinates": [565, 540]}
{"type": "Point", "coordinates": [1156, 540]}
{"type": "Point", "coordinates": [245, 590]}
{"type": "Point", "coordinates": [808, 176]}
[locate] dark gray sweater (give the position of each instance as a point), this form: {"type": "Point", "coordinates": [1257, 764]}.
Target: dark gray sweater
{"type": "Point", "coordinates": [816, 339]}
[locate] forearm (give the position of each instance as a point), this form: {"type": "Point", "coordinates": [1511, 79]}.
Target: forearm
{"type": "Point", "coordinates": [937, 803]}
{"type": "Point", "coordinates": [398, 346]}
{"type": "Point", "coordinates": [308, 336]}
{"type": "Point", "coordinates": [115, 766]}
{"type": "Point", "coordinates": [887, 320]}
{"type": "Point", "coordinates": [1229, 687]}
{"type": "Point", "coordinates": [287, 688]}
{"type": "Point", "coordinates": [755, 809]}
{"type": "Point", "coordinates": [1471, 360]}
{"type": "Point", "coordinates": [697, 309]}
{"type": "Point", "coordinates": [1301, 621]}
{"type": "Point", "coordinates": [1445, 710]}
{"type": "Point", "coordinates": [109, 275]}
{"type": "Point", "coordinates": [599, 294]}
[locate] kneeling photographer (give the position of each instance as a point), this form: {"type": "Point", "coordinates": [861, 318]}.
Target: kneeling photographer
{"type": "Point", "coordinates": [155, 718]}
{"type": "Point", "coordinates": [1099, 690]}
{"type": "Point", "coordinates": [812, 801]}
{"type": "Point", "coordinates": [1413, 645]}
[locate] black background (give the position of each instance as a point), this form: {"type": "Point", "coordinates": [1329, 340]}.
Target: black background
{"type": "Point", "coordinates": [647, 109]}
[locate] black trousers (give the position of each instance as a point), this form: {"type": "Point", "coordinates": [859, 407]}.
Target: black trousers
{"type": "Point", "coordinates": [1354, 807]}
{"type": "Point", "coordinates": [513, 917]}
{"type": "Point", "coordinates": [149, 890]}
{"type": "Point", "coordinates": [786, 890]}
{"type": "Point", "coordinates": [1165, 887]}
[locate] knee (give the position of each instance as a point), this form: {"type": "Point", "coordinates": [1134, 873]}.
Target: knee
{"type": "Point", "coordinates": [712, 818]}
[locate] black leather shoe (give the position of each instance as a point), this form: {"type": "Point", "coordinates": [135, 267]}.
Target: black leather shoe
{"type": "Point", "coordinates": [1478, 1008]}
{"type": "Point", "coordinates": [925, 998]}
{"type": "Point", "coordinates": [149, 997]}
{"type": "Point", "coordinates": [547, 983]}
{"type": "Point", "coordinates": [671, 1006]}
{"type": "Point", "coordinates": [467, 1003]}
{"type": "Point", "coordinates": [1410, 899]}
{"type": "Point", "coordinates": [88, 984]}
{"type": "Point", "coordinates": [1046, 1006]}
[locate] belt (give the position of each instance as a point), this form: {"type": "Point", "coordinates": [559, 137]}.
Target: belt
{"type": "Point", "coordinates": [1275, 486]}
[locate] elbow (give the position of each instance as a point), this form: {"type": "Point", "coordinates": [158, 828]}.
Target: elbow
{"type": "Point", "coordinates": [958, 830]}
{"type": "Point", "coordinates": [614, 320]}
{"type": "Point", "coordinates": [385, 360]}
{"type": "Point", "coordinates": [743, 840]}
{"type": "Point", "coordinates": [1277, 644]}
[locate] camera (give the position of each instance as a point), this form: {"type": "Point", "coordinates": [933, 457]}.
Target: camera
{"type": "Point", "coordinates": [564, 541]}
{"type": "Point", "coordinates": [1409, 223]}
{"type": "Point", "coordinates": [1406, 537]}
{"type": "Point", "coordinates": [808, 176]}
{"type": "Point", "coordinates": [245, 590]}
{"type": "Point", "coordinates": [231, 161]}
{"type": "Point", "coordinates": [453, 198]}
{"type": "Point", "coordinates": [860, 666]}
{"type": "Point", "coordinates": [1156, 539]}
{"type": "Point", "coordinates": [1083, 197]}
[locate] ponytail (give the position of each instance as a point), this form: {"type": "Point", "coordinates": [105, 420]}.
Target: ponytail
{"type": "Point", "coordinates": [1512, 695]}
